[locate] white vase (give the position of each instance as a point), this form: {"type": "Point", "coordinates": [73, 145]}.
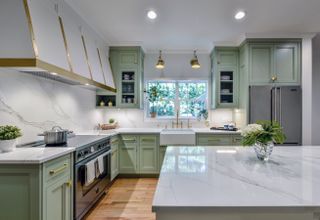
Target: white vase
{"type": "Point", "coordinates": [7, 145]}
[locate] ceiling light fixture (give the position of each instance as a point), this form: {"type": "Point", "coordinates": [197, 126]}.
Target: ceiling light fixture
{"type": "Point", "coordinates": [195, 62]}
{"type": "Point", "coordinates": [160, 63]}
{"type": "Point", "coordinates": [240, 15]}
{"type": "Point", "coordinates": [152, 14]}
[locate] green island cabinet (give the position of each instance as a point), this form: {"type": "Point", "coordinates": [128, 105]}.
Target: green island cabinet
{"type": "Point", "coordinates": [139, 154]}
{"type": "Point", "coordinates": [224, 77]}
{"type": "Point", "coordinates": [114, 157]}
{"type": "Point", "coordinates": [127, 64]}
{"type": "Point", "coordinates": [37, 191]}
{"type": "Point", "coordinates": [274, 62]}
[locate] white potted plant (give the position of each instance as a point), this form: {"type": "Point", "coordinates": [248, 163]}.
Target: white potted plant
{"type": "Point", "coordinates": [8, 137]}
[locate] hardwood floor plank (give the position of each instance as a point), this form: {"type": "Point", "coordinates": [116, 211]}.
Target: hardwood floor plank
{"type": "Point", "coordinates": [127, 199]}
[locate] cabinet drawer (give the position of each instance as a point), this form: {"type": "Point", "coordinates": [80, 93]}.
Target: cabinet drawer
{"type": "Point", "coordinates": [237, 140]}
{"type": "Point", "coordinates": [114, 142]}
{"type": "Point", "coordinates": [129, 141]}
{"type": "Point", "coordinates": [215, 140]}
{"type": "Point", "coordinates": [148, 140]}
{"type": "Point", "coordinates": [57, 168]}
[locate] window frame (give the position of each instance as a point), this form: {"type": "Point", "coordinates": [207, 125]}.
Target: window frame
{"type": "Point", "coordinates": [176, 100]}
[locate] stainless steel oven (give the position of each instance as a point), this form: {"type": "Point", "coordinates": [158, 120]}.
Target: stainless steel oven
{"type": "Point", "coordinates": [86, 195]}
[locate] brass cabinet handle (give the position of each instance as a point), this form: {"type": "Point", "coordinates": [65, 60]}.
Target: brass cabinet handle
{"type": "Point", "coordinates": [274, 78]}
{"type": "Point", "coordinates": [52, 172]}
{"type": "Point", "coordinates": [69, 183]}
{"type": "Point", "coordinates": [147, 140]}
{"type": "Point", "coordinates": [129, 139]}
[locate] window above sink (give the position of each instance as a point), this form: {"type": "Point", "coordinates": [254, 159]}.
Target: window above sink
{"type": "Point", "coordinates": [190, 97]}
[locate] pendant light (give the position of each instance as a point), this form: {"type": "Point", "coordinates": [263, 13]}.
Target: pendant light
{"type": "Point", "coordinates": [195, 62]}
{"type": "Point", "coordinates": [160, 63]}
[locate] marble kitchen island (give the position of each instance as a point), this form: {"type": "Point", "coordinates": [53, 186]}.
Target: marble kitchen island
{"type": "Point", "coordinates": [230, 183]}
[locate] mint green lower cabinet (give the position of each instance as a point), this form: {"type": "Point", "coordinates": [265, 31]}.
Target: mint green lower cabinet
{"type": "Point", "coordinates": [139, 154]}
{"type": "Point", "coordinates": [37, 192]}
{"type": "Point", "coordinates": [129, 154]}
{"type": "Point", "coordinates": [237, 139]}
{"type": "Point", "coordinates": [57, 200]}
{"type": "Point", "coordinates": [114, 157]}
{"type": "Point", "coordinates": [19, 192]}
{"type": "Point", "coordinates": [219, 139]}
{"type": "Point", "coordinates": [148, 154]}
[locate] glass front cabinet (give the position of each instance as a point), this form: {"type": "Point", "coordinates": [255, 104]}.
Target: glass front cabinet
{"type": "Point", "coordinates": [127, 67]}
{"type": "Point", "coordinates": [224, 73]}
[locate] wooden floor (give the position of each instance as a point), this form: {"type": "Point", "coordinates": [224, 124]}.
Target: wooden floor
{"type": "Point", "coordinates": [127, 199]}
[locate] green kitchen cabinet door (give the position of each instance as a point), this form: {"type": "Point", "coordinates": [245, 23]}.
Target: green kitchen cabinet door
{"type": "Point", "coordinates": [19, 192]}
{"type": "Point", "coordinates": [162, 153]}
{"type": "Point", "coordinates": [261, 60]}
{"type": "Point", "coordinates": [129, 154]}
{"type": "Point", "coordinates": [286, 63]}
{"type": "Point", "coordinates": [148, 154]}
{"type": "Point", "coordinates": [114, 157]}
{"type": "Point", "coordinates": [227, 57]}
{"type": "Point", "coordinates": [58, 197]}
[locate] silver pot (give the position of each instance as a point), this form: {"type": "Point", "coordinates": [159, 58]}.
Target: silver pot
{"type": "Point", "coordinates": [56, 136]}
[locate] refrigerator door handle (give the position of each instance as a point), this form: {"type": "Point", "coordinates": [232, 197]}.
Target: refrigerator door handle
{"type": "Point", "coordinates": [274, 97]}
{"type": "Point", "coordinates": [280, 107]}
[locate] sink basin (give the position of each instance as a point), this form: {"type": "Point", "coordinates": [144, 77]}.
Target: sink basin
{"type": "Point", "coordinates": [177, 137]}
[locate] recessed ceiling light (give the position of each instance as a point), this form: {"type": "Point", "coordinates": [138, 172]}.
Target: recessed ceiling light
{"type": "Point", "coordinates": [240, 15]}
{"type": "Point", "coordinates": [152, 14]}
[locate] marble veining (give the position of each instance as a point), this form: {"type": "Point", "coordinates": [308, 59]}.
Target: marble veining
{"type": "Point", "coordinates": [219, 177]}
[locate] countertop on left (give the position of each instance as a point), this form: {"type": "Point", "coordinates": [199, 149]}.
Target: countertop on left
{"type": "Point", "coordinates": [33, 155]}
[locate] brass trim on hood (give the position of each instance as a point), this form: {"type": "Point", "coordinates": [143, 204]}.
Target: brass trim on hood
{"type": "Point", "coordinates": [33, 39]}
{"type": "Point", "coordinates": [87, 56]}
{"type": "Point", "coordinates": [65, 43]}
{"type": "Point", "coordinates": [104, 77]}
{"type": "Point", "coordinates": [36, 63]}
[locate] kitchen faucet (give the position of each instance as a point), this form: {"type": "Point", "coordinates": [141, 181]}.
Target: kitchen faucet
{"type": "Point", "coordinates": [177, 121]}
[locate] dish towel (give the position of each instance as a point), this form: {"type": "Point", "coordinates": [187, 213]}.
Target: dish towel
{"type": "Point", "coordinates": [90, 172]}
{"type": "Point", "coordinates": [101, 164]}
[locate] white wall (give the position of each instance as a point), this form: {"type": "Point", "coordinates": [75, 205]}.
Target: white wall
{"type": "Point", "coordinates": [35, 104]}
{"type": "Point", "coordinates": [316, 90]}
{"type": "Point", "coordinates": [177, 66]}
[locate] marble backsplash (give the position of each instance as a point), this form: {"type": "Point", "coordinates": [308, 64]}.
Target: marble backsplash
{"type": "Point", "coordinates": [35, 104]}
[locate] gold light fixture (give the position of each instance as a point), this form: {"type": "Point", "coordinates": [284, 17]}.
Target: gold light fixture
{"type": "Point", "coordinates": [160, 63]}
{"type": "Point", "coordinates": [195, 62]}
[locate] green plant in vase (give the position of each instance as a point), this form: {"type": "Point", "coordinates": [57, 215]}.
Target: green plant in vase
{"type": "Point", "coordinates": [8, 137]}
{"type": "Point", "coordinates": [262, 136]}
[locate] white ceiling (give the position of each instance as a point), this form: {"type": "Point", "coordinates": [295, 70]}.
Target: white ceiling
{"type": "Point", "coordinates": [195, 24]}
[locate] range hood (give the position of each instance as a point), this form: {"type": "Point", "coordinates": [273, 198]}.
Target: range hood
{"type": "Point", "coordinates": [50, 40]}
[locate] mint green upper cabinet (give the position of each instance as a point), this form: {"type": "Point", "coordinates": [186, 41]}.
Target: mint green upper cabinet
{"type": "Point", "coordinates": [225, 77]}
{"type": "Point", "coordinates": [261, 57]}
{"type": "Point", "coordinates": [129, 154]}
{"type": "Point", "coordinates": [148, 154]}
{"type": "Point", "coordinates": [286, 63]}
{"type": "Point", "coordinates": [127, 66]}
{"type": "Point", "coordinates": [277, 63]}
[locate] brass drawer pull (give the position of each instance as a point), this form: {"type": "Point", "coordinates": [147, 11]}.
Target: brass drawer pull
{"type": "Point", "coordinates": [129, 140]}
{"type": "Point", "coordinates": [69, 183]}
{"type": "Point", "coordinates": [274, 78]}
{"type": "Point", "coordinates": [148, 140]}
{"type": "Point", "coordinates": [52, 172]}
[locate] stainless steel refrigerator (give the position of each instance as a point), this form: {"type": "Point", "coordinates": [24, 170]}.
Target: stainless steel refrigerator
{"type": "Point", "coordinates": [282, 104]}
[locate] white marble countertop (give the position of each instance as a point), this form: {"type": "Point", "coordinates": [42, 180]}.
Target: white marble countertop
{"type": "Point", "coordinates": [33, 155]}
{"type": "Point", "coordinates": [217, 178]}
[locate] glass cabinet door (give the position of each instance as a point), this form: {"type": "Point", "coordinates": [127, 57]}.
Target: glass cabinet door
{"type": "Point", "coordinates": [128, 87]}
